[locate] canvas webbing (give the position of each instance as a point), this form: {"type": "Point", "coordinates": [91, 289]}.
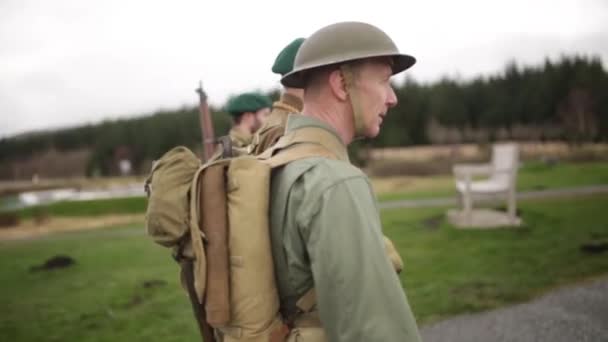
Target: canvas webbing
{"type": "Point", "coordinates": [308, 301]}
{"type": "Point", "coordinates": [308, 136]}
{"type": "Point", "coordinates": [303, 314]}
{"type": "Point", "coordinates": [284, 106]}
{"type": "Point", "coordinates": [196, 237]}
{"type": "Point", "coordinates": [298, 151]}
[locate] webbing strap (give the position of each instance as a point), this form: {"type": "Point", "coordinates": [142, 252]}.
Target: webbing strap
{"type": "Point", "coordinates": [284, 106]}
{"type": "Point", "coordinates": [308, 320]}
{"type": "Point", "coordinates": [303, 311]}
{"type": "Point", "coordinates": [308, 136]}
{"type": "Point", "coordinates": [308, 301]}
{"type": "Point", "coordinates": [234, 332]}
{"type": "Point", "coordinates": [197, 236]}
{"type": "Point", "coordinates": [296, 152]}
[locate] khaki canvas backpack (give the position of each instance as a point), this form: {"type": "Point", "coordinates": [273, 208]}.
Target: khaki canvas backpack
{"type": "Point", "coordinates": [214, 217]}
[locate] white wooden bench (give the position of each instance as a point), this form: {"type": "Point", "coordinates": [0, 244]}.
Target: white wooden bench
{"type": "Point", "coordinates": [501, 180]}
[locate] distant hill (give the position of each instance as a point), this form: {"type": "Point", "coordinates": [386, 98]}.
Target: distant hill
{"type": "Point", "coordinates": [557, 100]}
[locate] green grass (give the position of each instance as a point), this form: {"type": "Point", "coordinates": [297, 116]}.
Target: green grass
{"type": "Point", "coordinates": [451, 271]}
{"type": "Point", "coordinates": [537, 176]}
{"type": "Point", "coordinates": [131, 205]}
{"type": "Point", "coordinates": [101, 298]}
{"type": "Point", "coordinates": [532, 176]}
{"type": "Point", "coordinates": [447, 271]}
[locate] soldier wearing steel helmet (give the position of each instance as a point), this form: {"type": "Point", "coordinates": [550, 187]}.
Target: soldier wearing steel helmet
{"type": "Point", "coordinates": [248, 111]}
{"type": "Point", "coordinates": [326, 232]}
{"type": "Point", "coordinates": [289, 103]}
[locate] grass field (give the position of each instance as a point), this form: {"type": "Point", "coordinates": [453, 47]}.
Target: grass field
{"type": "Point", "coordinates": [130, 205]}
{"type": "Point", "coordinates": [125, 288]}
{"type": "Point", "coordinates": [532, 176]}
{"type": "Point", "coordinates": [452, 271]}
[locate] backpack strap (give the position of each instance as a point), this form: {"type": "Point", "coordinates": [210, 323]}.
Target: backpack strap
{"type": "Point", "coordinates": [299, 144]}
{"type": "Point", "coordinates": [190, 269]}
{"type": "Point", "coordinates": [302, 143]}
{"type": "Point", "coordinates": [308, 301]}
{"type": "Point", "coordinates": [296, 152]}
{"type": "Point", "coordinates": [303, 309]}
{"type": "Point", "coordinates": [196, 237]}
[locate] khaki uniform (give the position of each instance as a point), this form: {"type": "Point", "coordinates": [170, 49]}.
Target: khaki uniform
{"type": "Point", "coordinates": [240, 139]}
{"type": "Point", "coordinates": [274, 127]}
{"type": "Point", "coordinates": [326, 234]}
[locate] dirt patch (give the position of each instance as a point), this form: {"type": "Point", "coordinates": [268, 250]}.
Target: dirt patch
{"type": "Point", "coordinates": [8, 220]}
{"type": "Point", "coordinates": [432, 222]}
{"type": "Point", "coordinates": [594, 247]}
{"type": "Point", "coordinates": [140, 296]}
{"type": "Point", "coordinates": [56, 262]}
{"type": "Point", "coordinates": [148, 284]}
{"type": "Point", "coordinates": [134, 301]}
{"type": "Point", "coordinates": [31, 228]}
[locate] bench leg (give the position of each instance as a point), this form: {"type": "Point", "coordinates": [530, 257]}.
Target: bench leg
{"type": "Point", "coordinates": [511, 206]}
{"type": "Point", "coordinates": [468, 206]}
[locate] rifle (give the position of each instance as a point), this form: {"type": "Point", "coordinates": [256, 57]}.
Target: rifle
{"type": "Point", "coordinates": [208, 140]}
{"type": "Point", "coordinates": [207, 135]}
{"type": "Point", "coordinates": [198, 308]}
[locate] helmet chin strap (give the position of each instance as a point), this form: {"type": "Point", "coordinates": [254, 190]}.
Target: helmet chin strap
{"type": "Point", "coordinates": [353, 95]}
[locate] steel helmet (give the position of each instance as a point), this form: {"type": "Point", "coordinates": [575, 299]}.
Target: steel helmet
{"type": "Point", "coordinates": [343, 42]}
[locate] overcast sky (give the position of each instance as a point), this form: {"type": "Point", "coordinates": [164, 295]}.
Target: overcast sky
{"type": "Point", "coordinates": [68, 62]}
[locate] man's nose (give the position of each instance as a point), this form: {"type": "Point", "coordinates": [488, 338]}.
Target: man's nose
{"type": "Point", "coordinates": [391, 100]}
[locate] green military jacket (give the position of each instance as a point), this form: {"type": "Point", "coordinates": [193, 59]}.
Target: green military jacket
{"type": "Point", "coordinates": [326, 234]}
{"type": "Point", "coordinates": [240, 139]}
{"type": "Point", "coordinates": [274, 126]}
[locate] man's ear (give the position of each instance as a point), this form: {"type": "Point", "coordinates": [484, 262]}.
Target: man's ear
{"type": "Point", "coordinates": [337, 84]}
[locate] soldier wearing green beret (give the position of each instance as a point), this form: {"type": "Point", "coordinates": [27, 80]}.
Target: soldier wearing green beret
{"type": "Point", "coordinates": [248, 111]}
{"type": "Point", "coordinates": [290, 101]}
{"type": "Point", "coordinates": [325, 226]}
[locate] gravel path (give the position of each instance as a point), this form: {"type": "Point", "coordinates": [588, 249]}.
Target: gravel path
{"type": "Point", "coordinates": [572, 314]}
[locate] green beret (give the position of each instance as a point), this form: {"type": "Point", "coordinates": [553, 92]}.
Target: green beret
{"type": "Point", "coordinates": [247, 102]}
{"type": "Point", "coordinates": [284, 62]}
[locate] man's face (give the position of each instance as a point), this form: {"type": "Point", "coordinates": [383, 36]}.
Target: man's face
{"type": "Point", "coordinates": [260, 118]}
{"type": "Point", "coordinates": [376, 95]}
